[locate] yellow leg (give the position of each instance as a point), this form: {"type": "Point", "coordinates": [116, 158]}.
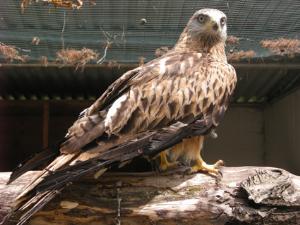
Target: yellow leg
{"type": "Point", "coordinates": [194, 146]}
{"type": "Point", "coordinates": [164, 163]}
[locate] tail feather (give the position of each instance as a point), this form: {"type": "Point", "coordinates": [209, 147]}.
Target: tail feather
{"type": "Point", "coordinates": [58, 163]}
{"type": "Point", "coordinates": [38, 160]}
{"type": "Point", "coordinates": [119, 154]}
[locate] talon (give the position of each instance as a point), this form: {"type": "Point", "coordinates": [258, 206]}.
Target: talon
{"type": "Point", "coordinates": [219, 163]}
{"type": "Point", "coordinates": [164, 163]}
{"type": "Point", "coordinates": [213, 169]}
{"type": "Point", "coordinates": [220, 174]}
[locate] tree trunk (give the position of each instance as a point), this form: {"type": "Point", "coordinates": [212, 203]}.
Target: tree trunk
{"type": "Point", "coordinates": [243, 195]}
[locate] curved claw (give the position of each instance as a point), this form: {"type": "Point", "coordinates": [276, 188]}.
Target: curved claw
{"type": "Point", "coordinates": [213, 169]}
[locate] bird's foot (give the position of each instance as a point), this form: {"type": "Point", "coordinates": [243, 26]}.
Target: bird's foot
{"type": "Point", "coordinates": [163, 166]}
{"type": "Point", "coordinates": [212, 169]}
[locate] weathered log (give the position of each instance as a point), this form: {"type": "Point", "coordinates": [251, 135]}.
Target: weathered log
{"type": "Point", "coordinates": [244, 195]}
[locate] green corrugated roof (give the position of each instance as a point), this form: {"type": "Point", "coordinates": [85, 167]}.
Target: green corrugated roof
{"type": "Point", "coordinates": [257, 83]}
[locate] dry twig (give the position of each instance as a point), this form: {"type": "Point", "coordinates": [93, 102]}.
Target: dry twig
{"type": "Point", "coordinates": [111, 39]}
{"type": "Point", "coordinates": [282, 46]}
{"type": "Point", "coordinates": [108, 45]}
{"type": "Point", "coordinates": [63, 31]}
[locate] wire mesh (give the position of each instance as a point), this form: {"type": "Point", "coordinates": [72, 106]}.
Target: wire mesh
{"type": "Point", "coordinates": [136, 28]}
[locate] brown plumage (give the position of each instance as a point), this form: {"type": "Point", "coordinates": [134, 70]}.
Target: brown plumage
{"type": "Point", "coordinates": [176, 97]}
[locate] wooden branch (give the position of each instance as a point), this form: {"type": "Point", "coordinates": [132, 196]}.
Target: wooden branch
{"type": "Point", "coordinates": [244, 195]}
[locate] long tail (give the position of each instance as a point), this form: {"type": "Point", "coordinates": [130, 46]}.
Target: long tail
{"type": "Point", "coordinates": [148, 143]}
{"type": "Point", "coordinates": [39, 160]}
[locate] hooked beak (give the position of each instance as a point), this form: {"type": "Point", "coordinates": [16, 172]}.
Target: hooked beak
{"type": "Point", "coordinates": [212, 26]}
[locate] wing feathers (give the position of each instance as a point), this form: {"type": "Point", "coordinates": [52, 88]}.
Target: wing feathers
{"type": "Point", "coordinates": [163, 97]}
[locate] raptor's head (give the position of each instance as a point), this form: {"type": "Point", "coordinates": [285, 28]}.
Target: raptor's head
{"type": "Point", "coordinates": [209, 25]}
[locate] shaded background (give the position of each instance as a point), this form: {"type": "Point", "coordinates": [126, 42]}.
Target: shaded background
{"type": "Point", "coordinates": [38, 101]}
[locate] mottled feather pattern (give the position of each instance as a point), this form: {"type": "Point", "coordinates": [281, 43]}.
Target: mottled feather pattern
{"type": "Point", "coordinates": [158, 96]}
{"type": "Point", "coordinates": [87, 128]}
{"type": "Point", "coordinates": [151, 101]}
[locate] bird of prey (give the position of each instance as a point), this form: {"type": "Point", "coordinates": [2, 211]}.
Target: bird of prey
{"type": "Point", "coordinates": [169, 103]}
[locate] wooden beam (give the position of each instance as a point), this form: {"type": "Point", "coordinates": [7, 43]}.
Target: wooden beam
{"type": "Point", "coordinates": [243, 195]}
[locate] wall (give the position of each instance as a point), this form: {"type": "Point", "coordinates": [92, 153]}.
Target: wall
{"type": "Point", "coordinates": [21, 127]}
{"type": "Point", "coordinates": [240, 139]}
{"type": "Point", "coordinates": [282, 129]}
{"type": "Point", "coordinates": [20, 136]}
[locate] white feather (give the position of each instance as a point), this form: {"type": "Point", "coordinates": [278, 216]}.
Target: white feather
{"type": "Point", "coordinates": [191, 61]}
{"type": "Point", "coordinates": [113, 110]}
{"type": "Point", "coordinates": [182, 68]}
{"type": "Point", "coordinates": [162, 66]}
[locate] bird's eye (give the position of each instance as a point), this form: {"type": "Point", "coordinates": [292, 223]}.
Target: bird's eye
{"type": "Point", "coordinates": [223, 21]}
{"type": "Point", "coordinates": [201, 18]}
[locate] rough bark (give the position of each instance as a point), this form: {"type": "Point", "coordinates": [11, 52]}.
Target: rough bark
{"type": "Point", "coordinates": [244, 195]}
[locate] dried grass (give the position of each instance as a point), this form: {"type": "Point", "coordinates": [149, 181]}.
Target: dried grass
{"type": "Point", "coordinates": [282, 46]}
{"type": "Point", "coordinates": [69, 4]}
{"type": "Point", "coordinates": [35, 41]}
{"type": "Point", "coordinates": [237, 56]}
{"type": "Point", "coordinates": [44, 60]}
{"type": "Point", "coordinates": [161, 51]}
{"type": "Point", "coordinates": [24, 4]}
{"type": "Point", "coordinates": [232, 40]}
{"type": "Point", "coordinates": [77, 58]}
{"type": "Point", "coordinates": [142, 60]}
{"type": "Point", "coordinates": [11, 53]}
